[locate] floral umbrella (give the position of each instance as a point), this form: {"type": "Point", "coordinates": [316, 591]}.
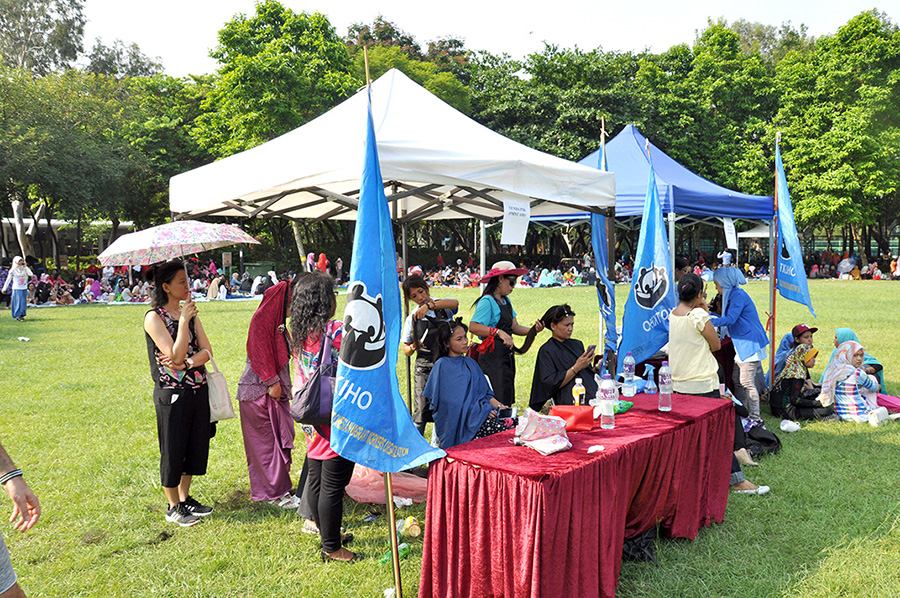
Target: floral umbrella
{"type": "Point", "coordinates": [169, 241]}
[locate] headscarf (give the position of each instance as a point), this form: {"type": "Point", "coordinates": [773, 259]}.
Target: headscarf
{"type": "Point", "coordinates": [96, 289]}
{"type": "Point", "coordinates": [322, 264]}
{"type": "Point", "coordinates": [838, 369]}
{"type": "Point", "coordinates": [267, 340]}
{"type": "Point", "coordinates": [19, 269]}
{"type": "Point", "coordinates": [846, 334]}
{"type": "Point", "coordinates": [728, 278]}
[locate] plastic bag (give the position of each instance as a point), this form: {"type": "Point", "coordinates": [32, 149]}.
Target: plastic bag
{"type": "Point", "coordinates": [534, 426]}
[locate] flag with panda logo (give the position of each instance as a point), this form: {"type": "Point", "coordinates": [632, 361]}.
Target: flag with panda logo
{"type": "Point", "coordinates": [791, 274]}
{"type": "Point", "coordinates": [370, 424]}
{"type": "Point", "coordinates": [645, 323]}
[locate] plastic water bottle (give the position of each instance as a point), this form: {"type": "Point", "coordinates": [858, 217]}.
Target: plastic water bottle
{"type": "Point", "coordinates": [608, 396]}
{"type": "Point", "coordinates": [628, 371]}
{"type": "Point", "coordinates": [578, 392]}
{"type": "Point", "coordinates": [403, 550]}
{"type": "Point", "coordinates": [665, 387]}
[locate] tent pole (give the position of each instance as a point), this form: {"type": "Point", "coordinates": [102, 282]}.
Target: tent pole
{"type": "Point", "coordinates": [611, 274]}
{"type": "Point", "coordinates": [482, 261]}
{"type": "Point", "coordinates": [406, 313]}
{"type": "Point", "coordinates": [392, 530]}
{"type": "Point", "coordinates": [672, 242]}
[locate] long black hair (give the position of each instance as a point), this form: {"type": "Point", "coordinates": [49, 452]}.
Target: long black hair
{"type": "Point", "coordinates": [489, 288]}
{"type": "Point", "coordinates": [312, 304]}
{"type": "Point", "coordinates": [444, 333]}
{"type": "Point", "coordinates": [556, 314]}
{"type": "Point", "coordinates": [161, 274]}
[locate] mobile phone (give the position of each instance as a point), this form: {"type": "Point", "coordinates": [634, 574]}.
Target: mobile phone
{"type": "Point", "coordinates": [591, 348]}
{"type": "Point", "coordinates": [507, 412]}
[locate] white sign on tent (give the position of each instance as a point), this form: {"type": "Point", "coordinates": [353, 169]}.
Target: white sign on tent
{"type": "Point", "coordinates": [516, 214]}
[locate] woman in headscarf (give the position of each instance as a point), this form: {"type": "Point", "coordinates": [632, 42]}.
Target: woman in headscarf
{"type": "Point", "coordinates": [322, 264]}
{"type": "Point", "coordinates": [212, 291]}
{"type": "Point", "coordinates": [96, 289]}
{"type": "Point", "coordinates": [847, 385]}
{"type": "Point", "coordinates": [264, 393]}
{"type": "Point", "coordinates": [17, 282]}
{"type": "Point", "coordinates": [870, 364]}
{"type": "Point", "coordinates": [739, 320]}
{"type": "Point", "coordinates": [790, 396]}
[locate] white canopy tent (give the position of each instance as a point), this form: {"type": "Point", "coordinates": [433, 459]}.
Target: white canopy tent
{"type": "Point", "coordinates": [436, 163]}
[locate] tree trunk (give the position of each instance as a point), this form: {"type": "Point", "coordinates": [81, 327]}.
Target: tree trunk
{"type": "Point", "coordinates": [26, 247]}
{"type": "Point", "coordinates": [856, 235]}
{"type": "Point", "coordinates": [113, 230]}
{"type": "Point", "coordinates": [295, 227]}
{"type": "Point", "coordinates": [78, 244]}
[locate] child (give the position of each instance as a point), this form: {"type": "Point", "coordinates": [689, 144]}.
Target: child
{"type": "Point", "coordinates": [461, 399]}
{"type": "Point", "coordinates": [418, 336]}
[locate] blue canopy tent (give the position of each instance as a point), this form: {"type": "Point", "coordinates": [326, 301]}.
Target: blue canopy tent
{"type": "Point", "coordinates": [682, 193]}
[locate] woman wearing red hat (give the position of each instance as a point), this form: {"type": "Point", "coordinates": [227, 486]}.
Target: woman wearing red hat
{"type": "Point", "coordinates": [495, 322]}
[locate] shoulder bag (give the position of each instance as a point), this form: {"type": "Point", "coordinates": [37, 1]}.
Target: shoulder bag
{"type": "Point", "coordinates": [312, 403]}
{"type": "Point", "coordinates": [219, 398]}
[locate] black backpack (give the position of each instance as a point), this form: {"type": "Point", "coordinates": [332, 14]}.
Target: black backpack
{"type": "Point", "coordinates": [760, 441]}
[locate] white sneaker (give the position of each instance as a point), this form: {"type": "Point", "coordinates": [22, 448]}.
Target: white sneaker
{"type": "Point", "coordinates": [288, 501]}
{"type": "Point", "coordinates": [876, 416]}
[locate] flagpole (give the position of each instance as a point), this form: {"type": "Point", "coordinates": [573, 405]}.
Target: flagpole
{"type": "Point", "coordinates": [773, 276]}
{"type": "Point", "coordinates": [388, 486]}
{"type": "Point", "coordinates": [600, 319]}
{"type": "Point", "coordinates": [392, 520]}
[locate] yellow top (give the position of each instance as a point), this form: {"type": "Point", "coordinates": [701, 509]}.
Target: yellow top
{"type": "Point", "coordinates": [694, 369]}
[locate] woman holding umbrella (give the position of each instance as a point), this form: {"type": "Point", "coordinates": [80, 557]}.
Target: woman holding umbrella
{"type": "Point", "coordinates": [178, 348]}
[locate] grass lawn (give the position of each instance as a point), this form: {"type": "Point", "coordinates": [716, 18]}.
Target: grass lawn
{"type": "Point", "coordinates": [76, 414]}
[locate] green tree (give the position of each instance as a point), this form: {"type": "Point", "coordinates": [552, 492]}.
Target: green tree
{"type": "Point", "coordinates": [840, 120]}
{"type": "Point", "coordinates": [278, 70]}
{"type": "Point", "coordinates": [41, 35]}
{"type": "Point", "coordinates": [121, 60]}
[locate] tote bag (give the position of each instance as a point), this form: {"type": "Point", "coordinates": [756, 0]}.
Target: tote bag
{"type": "Point", "coordinates": [312, 403]}
{"type": "Point", "coordinates": [219, 398]}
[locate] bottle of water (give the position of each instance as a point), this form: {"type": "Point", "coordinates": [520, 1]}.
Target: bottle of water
{"type": "Point", "coordinates": [578, 392]}
{"type": "Point", "coordinates": [665, 387]}
{"type": "Point", "coordinates": [608, 396]}
{"type": "Point", "coordinates": [628, 371]}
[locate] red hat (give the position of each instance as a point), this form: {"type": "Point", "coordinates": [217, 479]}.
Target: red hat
{"type": "Point", "coordinates": [799, 329]}
{"type": "Point", "coordinates": [503, 268]}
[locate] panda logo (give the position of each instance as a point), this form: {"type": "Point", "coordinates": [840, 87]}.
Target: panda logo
{"type": "Point", "coordinates": [651, 287]}
{"type": "Point", "coordinates": [363, 341]}
{"type": "Point", "coordinates": [603, 293]}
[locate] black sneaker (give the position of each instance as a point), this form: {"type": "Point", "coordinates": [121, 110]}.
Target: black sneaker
{"type": "Point", "coordinates": [181, 515]}
{"type": "Point", "coordinates": [195, 508]}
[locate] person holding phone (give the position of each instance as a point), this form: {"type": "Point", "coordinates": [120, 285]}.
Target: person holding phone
{"type": "Point", "coordinates": [560, 361]}
{"type": "Point", "coordinates": [177, 348]}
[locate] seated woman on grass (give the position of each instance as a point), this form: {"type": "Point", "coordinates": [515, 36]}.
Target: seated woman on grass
{"type": "Point", "coordinates": [801, 334]}
{"type": "Point", "coordinates": [870, 364]}
{"type": "Point", "coordinates": [793, 396]}
{"type": "Point", "coordinates": [849, 387]}
{"type": "Point", "coordinates": [461, 399]}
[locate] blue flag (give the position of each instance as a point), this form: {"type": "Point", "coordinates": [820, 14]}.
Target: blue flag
{"type": "Point", "coordinates": [791, 274]}
{"type": "Point", "coordinates": [645, 324]}
{"type": "Point", "coordinates": [606, 290]}
{"type": "Point", "coordinates": [370, 425]}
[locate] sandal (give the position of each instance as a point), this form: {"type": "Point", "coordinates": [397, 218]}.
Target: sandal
{"type": "Point", "coordinates": [354, 556]}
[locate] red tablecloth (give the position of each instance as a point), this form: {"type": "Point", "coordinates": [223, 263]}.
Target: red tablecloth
{"type": "Point", "coordinates": [503, 520]}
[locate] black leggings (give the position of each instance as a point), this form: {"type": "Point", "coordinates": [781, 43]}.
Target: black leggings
{"type": "Point", "coordinates": [325, 489]}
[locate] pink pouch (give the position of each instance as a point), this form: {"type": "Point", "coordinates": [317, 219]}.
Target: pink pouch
{"type": "Point", "coordinates": [534, 426]}
{"type": "Point", "coordinates": [550, 445]}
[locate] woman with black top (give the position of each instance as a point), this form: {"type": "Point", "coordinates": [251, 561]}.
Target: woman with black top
{"type": "Point", "coordinates": [495, 322]}
{"type": "Point", "coordinates": [560, 361]}
{"type": "Point", "coordinates": [177, 348]}
{"type": "Point", "coordinates": [419, 336]}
